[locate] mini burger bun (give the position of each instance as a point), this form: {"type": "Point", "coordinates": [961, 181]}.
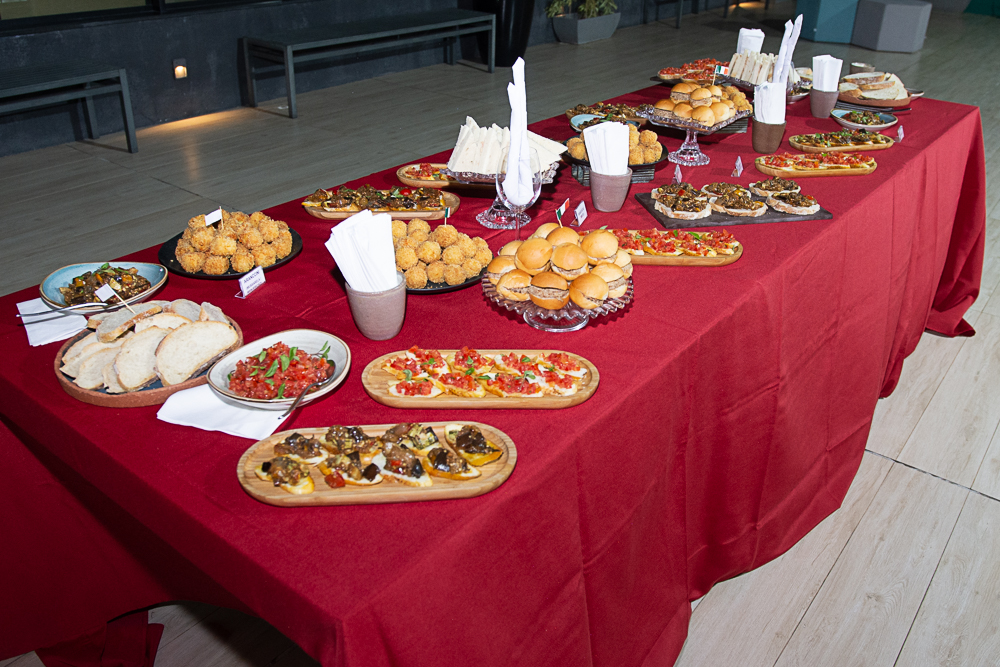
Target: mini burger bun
{"type": "Point", "coordinates": [569, 260]}
{"type": "Point", "coordinates": [563, 235]}
{"type": "Point", "coordinates": [701, 97]}
{"type": "Point", "coordinates": [556, 290]}
{"type": "Point", "coordinates": [544, 230]}
{"type": "Point", "coordinates": [704, 116]}
{"type": "Point", "coordinates": [681, 91]}
{"type": "Point", "coordinates": [623, 260]}
{"type": "Point", "coordinates": [612, 273]}
{"type": "Point", "coordinates": [511, 281]}
{"type": "Point", "coordinates": [683, 110]}
{"type": "Point", "coordinates": [499, 266]}
{"type": "Point", "coordinates": [533, 256]}
{"type": "Point", "coordinates": [510, 248]}
{"type": "Point", "coordinates": [588, 291]}
{"type": "Point", "coordinates": [666, 105]}
{"type": "Point", "coordinates": [721, 111]}
{"type": "Point", "coordinates": [600, 246]}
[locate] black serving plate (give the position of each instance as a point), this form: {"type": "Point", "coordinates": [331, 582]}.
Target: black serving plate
{"type": "Point", "coordinates": [168, 258]}
{"type": "Point", "coordinates": [723, 220]}
{"type": "Point", "coordinates": [441, 288]}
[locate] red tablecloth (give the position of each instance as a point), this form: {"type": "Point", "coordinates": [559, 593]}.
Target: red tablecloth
{"type": "Point", "coordinates": [732, 414]}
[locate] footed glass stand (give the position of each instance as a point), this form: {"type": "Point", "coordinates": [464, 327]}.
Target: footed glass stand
{"type": "Point", "coordinates": [498, 216]}
{"type": "Point", "coordinates": [568, 318]}
{"type": "Point", "coordinates": [689, 154]}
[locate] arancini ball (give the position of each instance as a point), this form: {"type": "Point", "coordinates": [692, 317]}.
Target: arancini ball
{"type": "Point", "coordinates": [452, 255]}
{"type": "Point", "coordinates": [416, 277]}
{"type": "Point", "coordinates": [406, 258]}
{"type": "Point", "coordinates": [428, 252]}
{"type": "Point", "coordinates": [435, 271]}
{"type": "Point", "coordinates": [454, 275]}
{"type": "Point", "coordinates": [216, 265]}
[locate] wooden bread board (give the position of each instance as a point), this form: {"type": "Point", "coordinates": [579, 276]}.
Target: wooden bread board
{"type": "Point", "coordinates": [155, 394]}
{"type": "Point", "coordinates": [493, 475]}
{"type": "Point", "coordinates": [451, 201]}
{"type": "Point", "coordinates": [882, 104]}
{"type": "Point", "coordinates": [868, 148]}
{"type": "Point", "coordinates": [687, 260]}
{"type": "Point", "coordinates": [809, 173]}
{"type": "Point", "coordinates": [376, 381]}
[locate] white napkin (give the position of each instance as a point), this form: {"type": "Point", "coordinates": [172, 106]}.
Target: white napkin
{"type": "Point", "coordinates": [362, 247]}
{"type": "Point", "coordinates": [750, 39]}
{"type": "Point", "coordinates": [769, 103]}
{"type": "Point", "coordinates": [517, 183]}
{"type": "Point", "coordinates": [199, 407]}
{"type": "Point", "coordinates": [788, 42]}
{"type": "Point", "coordinates": [607, 148]}
{"type": "Point", "coordinates": [826, 73]}
{"type": "Point", "coordinates": [49, 326]}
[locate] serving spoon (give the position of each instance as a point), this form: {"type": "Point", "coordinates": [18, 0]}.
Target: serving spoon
{"type": "Point", "coordinates": [316, 384]}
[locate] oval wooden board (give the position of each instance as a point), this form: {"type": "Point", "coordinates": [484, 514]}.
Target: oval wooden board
{"type": "Point", "coordinates": [450, 183]}
{"type": "Point", "coordinates": [882, 104]}
{"type": "Point", "coordinates": [493, 475]}
{"type": "Point", "coordinates": [688, 260]}
{"type": "Point", "coordinates": [840, 149]}
{"type": "Point", "coordinates": [132, 399]}
{"type": "Point", "coordinates": [451, 200]}
{"type": "Point", "coordinates": [376, 383]}
{"type": "Point", "coordinates": [808, 173]}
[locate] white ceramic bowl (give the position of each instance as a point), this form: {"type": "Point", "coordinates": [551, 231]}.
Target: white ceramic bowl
{"type": "Point", "coordinates": [156, 274]}
{"type": "Point", "coordinates": [309, 340]}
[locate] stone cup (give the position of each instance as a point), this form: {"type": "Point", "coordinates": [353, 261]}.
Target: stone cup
{"type": "Point", "coordinates": [821, 102]}
{"type": "Point", "coordinates": [609, 192]}
{"type": "Point", "coordinates": [766, 137]}
{"type": "Point", "coordinates": [379, 315]}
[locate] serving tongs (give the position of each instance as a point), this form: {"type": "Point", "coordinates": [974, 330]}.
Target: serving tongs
{"type": "Point", "coordinates": [317, 384]}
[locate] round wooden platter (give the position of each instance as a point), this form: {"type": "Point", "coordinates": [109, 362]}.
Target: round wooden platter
{"type": "Point", "coordinates": [688, 260]}
{"type": "Point", "coordinates": [809, 173]}
{"type": "Point", "coordinates": [867, 148]}
{"type": "Point", "coordinates": [154, 394]}
{"type": "Point", "coordinates": [493, 475]}
{"type": "Point", "coordinates": [881, 104]}
{"type": "Point", "coordinates": [376, 382]}
{"type": "Point", "coordinates": [451, 200]}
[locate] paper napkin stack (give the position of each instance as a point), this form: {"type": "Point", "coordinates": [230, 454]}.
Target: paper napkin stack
{"type": "Point", "coordinates": [362, 247]}
{"type": "Point", "coordinates": [607, 148]}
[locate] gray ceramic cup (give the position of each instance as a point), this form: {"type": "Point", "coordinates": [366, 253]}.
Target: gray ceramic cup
{"type": "Point", "coordinates": [766, 137]}
{"type": "Point", "coordinates": [379, 315]}
{"type": "Point", "coordinates": [821, 103]}
{"type": "Point", "coordinates": [608, 192]}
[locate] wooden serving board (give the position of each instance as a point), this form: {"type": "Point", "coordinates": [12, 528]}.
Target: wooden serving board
{"type": "Point", "coordinates": [809, 173]}
{"type": "Point", "coordinates": [723, 220]}
{"type": "Point", "coordinates": [868, 148]}
{"type": "Point", "coordinates": [155, 394]}
{"type": "Point", "coordinates": [450, 200]}
{"type": "Point", "coordinates": [881, 104]}
{"type": "Point", "coordinates": [376, 382]}
{"type": "Point", "coordinates": [449, 183]}
{"type": "Point", "coordinates": [688, 260]}
{"type": "Point", "coordinates": [493, 475]}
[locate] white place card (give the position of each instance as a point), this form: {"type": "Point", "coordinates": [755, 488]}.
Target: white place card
{"type": "Point", "coordinates": [899, 135]}
{"type": "Point", "coordinates": [738, 171]}
{"type": "Point", "coordinates": [250, 282]}
{"type": "Point", "coordinates": [581, 213]}
{"type": "Point", "coordinates": [678, 179]}
{"type": "Point", "coordinates": [213, 217]}
{"type": "Point", "coordinates": [105, 292]}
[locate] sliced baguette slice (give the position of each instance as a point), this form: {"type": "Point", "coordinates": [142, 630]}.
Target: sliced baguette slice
{"type": "Point", "coordinates": [187, 350]}
{"type": "Point", "coordinates": [120, 321]}
{"type": "Point", "coordinates": [76, 349]}
{"type": "Point", "coordinates": [162, 321]}
{"type": "Point", "coordinates": [135, 364]}
{"type": "Point", "coordinates": [894, 92]}
{"type": "Point", "coordinates": [876, 86]}
{"type": "Point", "coordinates": [91, 375]}
{"type": "Point", "coordinates": [865, 77]}
{"type": "Point", "coordinates": [185, 308]}
{"type": "Point", "coordinates": [210, 313]}
{"type": "Point", "coordinates": [111, 380]}
{"type": "Point", "coordinates": [72, 368]}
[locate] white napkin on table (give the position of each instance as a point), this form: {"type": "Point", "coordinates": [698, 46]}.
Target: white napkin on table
{"type": "Point", "coordinates": [362, 247]}
{"type": "Point", "coordinates": [826, 73]}
{"type": "Point", "coordinates": [607, 148]}
{"type": "Point", "coordinates": [788, 42]}
{"type": "Point", "coordinates": [769, 103]}
{"type": "Point", "coordinates": [750, 39]}
{"type": "Point", "coordinates": [49, 326]}
{"type": "Point", "coordinates": [517, 183]}
{"type": "Point", "coordinates": [199, 407]}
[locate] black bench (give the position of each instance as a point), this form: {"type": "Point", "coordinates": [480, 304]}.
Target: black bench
{"type": "Point", "coordinates": [38, 86]}
{"type": "Point", "coordinates": [328, 42]}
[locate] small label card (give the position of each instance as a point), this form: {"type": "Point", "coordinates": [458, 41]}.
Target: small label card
{"type": "Point", "coordinates": [738, 171]}
{"type": "Point", "coordinates": [250, 282]}
{"type": "Point", "coordinates": [104, 292]}
{"type": "Point", "coordinates": [899, 135]}
{"type": "Point", "coordinates": [678, 179]}
{"type": "Point", "coordinates": [213, 217]}
{"type": "Point", "coordinates": [581, 213]}
{"type": "Point", "coordinates": [561, 211]}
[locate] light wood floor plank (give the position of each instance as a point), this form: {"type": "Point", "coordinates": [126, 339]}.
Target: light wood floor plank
{"type": "Point", "coordinates": [770, 601]}
{"type": "Point", "coordinates": [863, 612]}
{"type": "Point", "coordinates": [952, 436]}
{"type": "Point", "coordinates": [958, 623]}
{"type": "Point", "coordinates": [177, 618]}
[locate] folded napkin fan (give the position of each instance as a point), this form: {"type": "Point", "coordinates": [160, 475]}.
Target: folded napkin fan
{"type": "Point", "coordinates": [49, 326]}
{"type": "Point", "coordinates": [199, 407]}
{"type": "Point", "coordinates": [517, 184]}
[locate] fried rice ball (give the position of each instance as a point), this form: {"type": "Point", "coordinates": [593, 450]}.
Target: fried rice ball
{"type": "Point", "coordinates": [652, 153]}
{"type": "Point", "coordinates": [452, 255]}
{"type": "Point", "coordinates": [480, 242]}
{"type": "Point", "coordinates": [483, 256]}
{"type": "Point", "coordinates": [188, 232]}
{"type": "Point", "coordinates": [647, 138]}
{"type": "Point", "coordinates": [268, 230]}
{"type": "Point", "coordinates": [435, 271]}
{"type": "Point", "coordinates": [416, 224]}
{"type": "Point", "coordinates": [445, 235]}
{"type": "Point", "coordinates": [257, 217]}
{"type": "Point", "coordinates": [471, 267]}
{"type": "Point", "coordinates": [398, 229]}
{"type": "Point", "coordinates": [263, 255]}
{"type": "Point", "coordinates": [283, 244]}
{"type": "Point", "coordinates": [406, 258]}
{"type": "Point", "coordinates": [416, 277]}
{"type": "Point", "coordinates": [419, 235]}
{"type": "Point", "coordinates": [633, 136]}
{"type": "Point", "coordinates": [192, 262]}
{"type": "Point", "coordinates": [282, 225]}
{"type": "Point", "coordinates": [635, 155]}
{"type": "Point", "coordinates": [466, 245]}
{"type": "Point", "coordinates": [184, 247]}
{"type": "Point", "coordinates": [579, 151]}
{"type": "Point", "coordinates": [454, 275]}
{"type": "Point", "coordinates": [196, 222]}
{"type": "Point", "coordinates": [251, 237]}
{"type": "Point", "coordinates": [223, 246]}
{"type": "Point", "coordinates": [202, 239]}
{"type": "Point", "coordinates": [410, 242]}
{"type": "Point", "coordinates": [242, 261]}
{"type": "Point", "coordinates": [216, 265]}
{"type": "Point", "coordinates": [428, 252]}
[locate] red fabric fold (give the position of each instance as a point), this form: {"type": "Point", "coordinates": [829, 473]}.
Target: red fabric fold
{"type": "Point", "coordinates": [128, 641]}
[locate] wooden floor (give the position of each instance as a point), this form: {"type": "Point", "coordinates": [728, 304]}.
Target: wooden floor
{"type": "Point", "coordinates": [906, 573]}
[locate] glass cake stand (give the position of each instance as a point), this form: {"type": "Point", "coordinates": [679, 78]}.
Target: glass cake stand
{"type": "Point", "coordinates": [497, 216]}
{"type": "Point", "coordinates": [689, 154]}
{"type": "Point", "coordinates": [568, 318]}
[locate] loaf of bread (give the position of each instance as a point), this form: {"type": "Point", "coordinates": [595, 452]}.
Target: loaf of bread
{"type": "Point", "coordinates": [187, 350]}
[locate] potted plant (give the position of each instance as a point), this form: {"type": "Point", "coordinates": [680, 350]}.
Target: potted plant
{"type": "Point", "coordinates": [582, 21]}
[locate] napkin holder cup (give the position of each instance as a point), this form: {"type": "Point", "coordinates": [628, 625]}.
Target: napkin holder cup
{"type": "Point", "coordinates": [766, 137]}
{"type": "Point", "coordinates": [609, 192]}
{"type": "Point", "coordinates": [379, 315]}
{"type": "Point", "coordinates": [821, 102]}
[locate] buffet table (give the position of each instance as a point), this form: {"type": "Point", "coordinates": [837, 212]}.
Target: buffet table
{"type": "Point", "coordinates": [732, 413]}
